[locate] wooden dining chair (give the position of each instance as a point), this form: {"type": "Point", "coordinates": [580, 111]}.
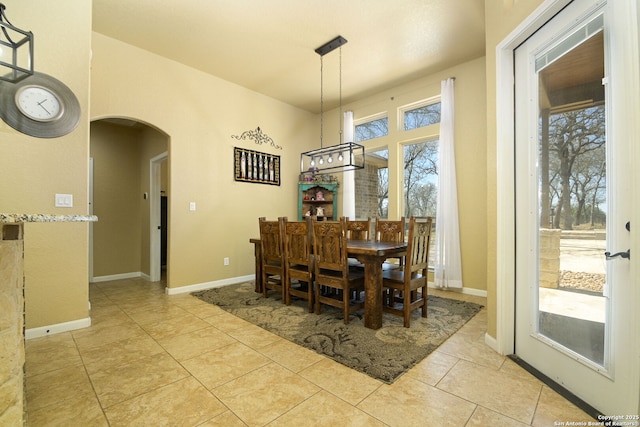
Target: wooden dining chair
{"type": "Point", "coordinates": [390, 231]}
{"type": "Point", "coordinates": [410, 282]}
{"type": "Point", "coordinates": [272, 247]}
{"type": "Point", "coordinates": [332, 269]}
{"type": "Point", "coordinates": [357, 229]}
{"type": "Point", "coordinates": [298, 261]}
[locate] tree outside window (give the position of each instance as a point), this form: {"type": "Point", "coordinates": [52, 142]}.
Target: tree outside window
{"type": "Point", "coordinates": [420, 179]}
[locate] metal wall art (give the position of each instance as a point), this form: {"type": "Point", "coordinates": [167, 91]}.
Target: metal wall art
{"type": "Point", "coordinates": [258, 137]}
{"type": "Point", "coordinates": [253, 166]}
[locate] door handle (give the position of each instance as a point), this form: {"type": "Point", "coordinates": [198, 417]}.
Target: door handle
{"type": "Point", "coordinates": [626, 254]}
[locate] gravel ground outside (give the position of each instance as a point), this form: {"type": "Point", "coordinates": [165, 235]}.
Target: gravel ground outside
{"type": "Point", "coordinates": [592, 282]}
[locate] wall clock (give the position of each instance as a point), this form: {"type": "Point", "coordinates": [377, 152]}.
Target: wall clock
{"type": "Point", "coordinates": [40, 106]}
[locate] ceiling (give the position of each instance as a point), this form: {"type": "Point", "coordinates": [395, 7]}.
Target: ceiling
{"type": "Point", "coordinates": [269, 45]}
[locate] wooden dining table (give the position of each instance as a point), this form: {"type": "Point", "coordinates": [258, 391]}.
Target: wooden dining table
{"type": "Point", "coordinates": [372, 254]}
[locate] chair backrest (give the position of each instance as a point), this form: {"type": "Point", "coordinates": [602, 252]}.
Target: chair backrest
{"type": "Point", "coordinates": [298, 237]}
{"type": "Point", "coordinates": [271, 240]}
{"type": "Point", "coordinates": [358, 229]}
{"type": "Point", "coordinates": [330, 247]}
{"type": "Point", "coordinates": [418, 246]}
{"type": "Point", "coordinates": [390, 231]}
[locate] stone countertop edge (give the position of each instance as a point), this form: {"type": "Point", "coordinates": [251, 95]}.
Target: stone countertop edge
{"type": "Point", "coordinates": [18, 218]}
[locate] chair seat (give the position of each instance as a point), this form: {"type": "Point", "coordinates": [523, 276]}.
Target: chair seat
{"type": "Point", "coordinates": [397, 275]}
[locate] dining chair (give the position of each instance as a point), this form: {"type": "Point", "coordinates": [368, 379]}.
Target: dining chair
{"type": "Point", "coordinates": [410, 282]}
{"type": "Point", "coordinates": [357, 229]}
{"type": "Point", "coordinates": [332, 269]}
{"type": "Point", "coordinates": [298, 261]}
{"type": "Point", "coordinates": [390, 231]}
{"type": "Point", "coordinates": [272, 246]}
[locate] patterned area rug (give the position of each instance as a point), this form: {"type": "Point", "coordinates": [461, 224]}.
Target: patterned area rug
{"type": "Point", "coordinates": [384, 354]}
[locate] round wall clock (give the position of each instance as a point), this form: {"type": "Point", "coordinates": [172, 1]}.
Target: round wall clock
{"type": "Point", "coordinates": [40, 106]}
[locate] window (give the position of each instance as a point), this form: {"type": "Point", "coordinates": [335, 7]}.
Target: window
{"type": "Point", "coordinates": [424, 115]}
{"type": "Point", "coordinates": [372, 129]}
{"type": "Point", "coordinates": [420, 179]}
{"type": "Point", "coordinates": [421, 184]}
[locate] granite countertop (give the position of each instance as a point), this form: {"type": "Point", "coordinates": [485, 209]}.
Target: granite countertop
{"type": "Point", "coordinates": [21, 217]}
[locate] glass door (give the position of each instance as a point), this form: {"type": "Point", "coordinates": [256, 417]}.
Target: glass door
{"type": "Point", "coordinates": [569, 210]}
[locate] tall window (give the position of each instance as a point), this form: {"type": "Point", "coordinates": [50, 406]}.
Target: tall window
{"type": "Point", "coordinates": [372, 129]}
{"type": "Point", "coordinates": [420, 179]}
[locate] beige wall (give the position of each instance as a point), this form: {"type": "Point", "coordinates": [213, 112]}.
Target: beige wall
{"type": "Point", "coordinates": [178, 101]}
{"type": "Point", "coordinates": [34, 169]}
{"type": "Point", "coordinates": [501, 18]}
{"type": "Point", "coordinates": [116, 184]}
{"type": "Point", "coordinates": [470, 150]}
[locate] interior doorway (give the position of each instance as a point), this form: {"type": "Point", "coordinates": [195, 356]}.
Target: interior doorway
{"type": "Point", "coordinates": [159, 216]}
{"type": "Point", "coordinates": [129, 175]}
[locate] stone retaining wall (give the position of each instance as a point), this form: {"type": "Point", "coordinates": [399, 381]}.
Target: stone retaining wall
{"type": "Point", "coordinates": [549, 258]}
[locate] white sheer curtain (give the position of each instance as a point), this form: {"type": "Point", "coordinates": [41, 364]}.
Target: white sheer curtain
{"type": "Point", "coordinates": [448, 263]}
{"type": "Point", "coordinates": [348, 177]}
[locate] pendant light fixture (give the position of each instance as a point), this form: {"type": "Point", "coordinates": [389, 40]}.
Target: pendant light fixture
{"type": "Point", "coordinates": [344, 156]}
{"type": "Point", "coordinates": [16, 50]}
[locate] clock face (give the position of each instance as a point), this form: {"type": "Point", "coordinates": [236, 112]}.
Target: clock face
{"type": "Point", "coordinates": [39, 103]}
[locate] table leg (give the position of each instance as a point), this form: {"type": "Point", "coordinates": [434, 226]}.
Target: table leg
{"type": "Point", "coordinates": [258, 255]}
{"type": "Point", "coordinates": [373, 291]}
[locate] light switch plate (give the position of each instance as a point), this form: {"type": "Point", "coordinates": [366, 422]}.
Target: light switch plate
{"type": "Point", "coordinates": [192, 206]}
{"type": "Point", "coordinates": [64, 201]}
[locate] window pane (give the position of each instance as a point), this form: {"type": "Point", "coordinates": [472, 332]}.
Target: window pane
{"type": "Point", "coordinates": [372, 186]}
{"type": "Point", "coordinates": [420, 179]}
{"type": "Point", "coordinates": [372, 129]}
{"type": "Point", "coordinates": [422, 116]}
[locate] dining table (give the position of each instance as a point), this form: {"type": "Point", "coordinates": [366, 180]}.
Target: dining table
{"type": "Point", "coordinates": [372, 254]}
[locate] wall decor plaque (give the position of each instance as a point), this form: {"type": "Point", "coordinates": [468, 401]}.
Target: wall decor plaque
{"type": "Point", "coordinates": [254, 166]}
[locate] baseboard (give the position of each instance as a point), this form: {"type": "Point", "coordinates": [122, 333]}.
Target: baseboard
{"type": "Point", "coordinates": [468, 291]}
{"type": "Point", "coordinates": [132, 275]}
{"type": "Point", "coordinates": [491, 342]}
{"type": "Point", "coordinates": [208, 285]}
{"type": "Point", "coordinates": [58, 328]}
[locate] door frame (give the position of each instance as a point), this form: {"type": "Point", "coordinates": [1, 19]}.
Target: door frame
{"type": "Point", "coordinates": [155, 179]}
{"type": "Point", "coordinates": [504, 341]}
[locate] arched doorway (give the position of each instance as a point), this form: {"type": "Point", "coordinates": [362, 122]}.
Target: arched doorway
{"type": "Point", "coordinates": [129, 179]}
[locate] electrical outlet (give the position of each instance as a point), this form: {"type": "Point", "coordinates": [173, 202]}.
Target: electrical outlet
{"type": "Point", "coordinates": [226, 261]}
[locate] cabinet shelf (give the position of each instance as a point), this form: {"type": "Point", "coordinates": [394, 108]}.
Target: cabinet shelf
{"type": "Point", "coordinates": [325, 208]}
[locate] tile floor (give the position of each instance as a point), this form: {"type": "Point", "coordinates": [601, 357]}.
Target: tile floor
{"type": "Point", "coordinates": [150, 359]}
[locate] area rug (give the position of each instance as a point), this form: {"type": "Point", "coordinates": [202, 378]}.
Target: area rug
{"type": "Point", "coordinates": [384, 354]}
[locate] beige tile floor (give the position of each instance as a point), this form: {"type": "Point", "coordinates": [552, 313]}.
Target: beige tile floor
{"type": "Point", "coordinates": [150, 359]}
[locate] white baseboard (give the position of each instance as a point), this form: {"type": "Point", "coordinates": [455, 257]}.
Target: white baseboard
{"type": "Point", "coordinates": [208, 285]}
{"type": "Point", "coordinates": [58, 328]}
{"type": "Point", "coordinates": [468, 291]}
{"type": "Point", "coordinates": [132, 275]}
{"type": "Point", "coordinates": [491, 342]}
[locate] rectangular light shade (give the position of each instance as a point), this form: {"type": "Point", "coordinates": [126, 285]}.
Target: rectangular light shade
{"type": "Point", "coordinates": [16, 53]}
{"type": "Point", "coordinates": [336, 158]}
